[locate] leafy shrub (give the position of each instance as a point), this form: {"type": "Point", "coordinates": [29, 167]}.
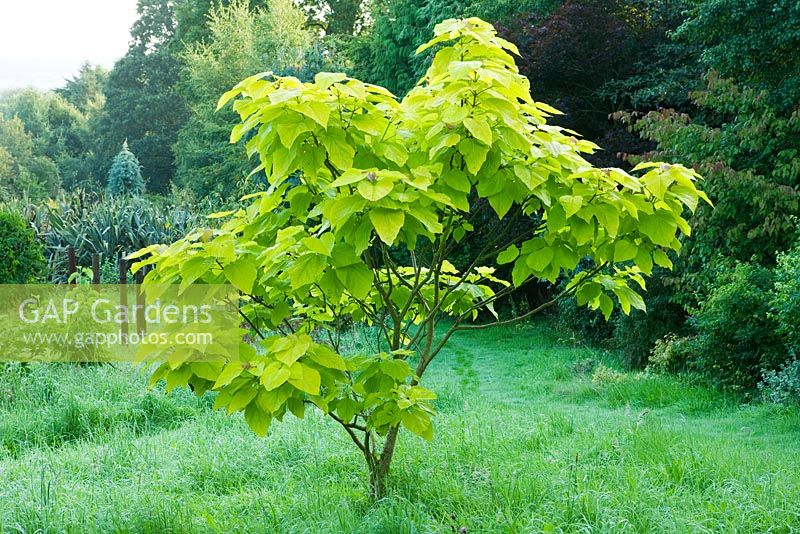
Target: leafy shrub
{"type": "Point", "coordinates": [670, 354]}
{"type": "Point", "coordinates": [735, 330]}
{"type": "Point", "coordinates": [606, 375]}
{"type": "Point", "coordinates": [786, 298]}
{"type": "Point", "coordinates": [21, 258]}
{"type": "Point", "coordinates": [782, 386]}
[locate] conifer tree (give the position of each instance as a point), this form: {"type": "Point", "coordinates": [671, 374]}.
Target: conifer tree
{"type": "Point", "coordinates": [125, 175]}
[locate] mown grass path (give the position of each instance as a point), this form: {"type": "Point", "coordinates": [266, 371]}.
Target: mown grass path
{"type": "Point", "coordinates": [526, 442]}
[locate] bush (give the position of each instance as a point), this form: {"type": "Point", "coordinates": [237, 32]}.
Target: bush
{"type": "Point", "coordinates": [786, 298]}
{"type": "Point", "coordinates": [21, 253]}
{"type": "Point", "coordinates": [736, 331]}
{"type": "Point", "coordinates": [603, 375]}
{"type": "Point", "coordinates": [670, 354]}
{"type": "Point", "coordinates": [782, 386]}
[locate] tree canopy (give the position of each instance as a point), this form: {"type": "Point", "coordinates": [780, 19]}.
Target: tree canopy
{"type": "Point", "coordinates": [356, 175]}
{"type": "Point", "coordinates": [242, 40]}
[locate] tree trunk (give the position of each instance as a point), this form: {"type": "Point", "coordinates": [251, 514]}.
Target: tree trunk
{"type": "Point", "coordinates": [379, 467]}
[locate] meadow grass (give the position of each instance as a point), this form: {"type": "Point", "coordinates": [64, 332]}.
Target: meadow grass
{"type": "Point", "coordinates": [525, 442]}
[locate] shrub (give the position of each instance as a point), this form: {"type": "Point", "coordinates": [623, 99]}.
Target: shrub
{"type": "Point", "coordinates": [670, 354]}
{"type": "Point", "coordinates": [736, 333]}
{"type": "Point", "coordinates": [786, 298]}
{"type": "Point", "coordinates": [604, 375]}
{"type": "Point", "coordinates": [20, 251]}
{"type": "Point", "coordinates": [782, 386]}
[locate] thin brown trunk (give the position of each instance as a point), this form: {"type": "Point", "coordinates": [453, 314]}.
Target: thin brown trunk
{"type": "Point", "coordinates": [379, 466]}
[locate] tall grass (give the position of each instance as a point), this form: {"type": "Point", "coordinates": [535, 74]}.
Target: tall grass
{"type": "Point", "coordinates": [525, 442]}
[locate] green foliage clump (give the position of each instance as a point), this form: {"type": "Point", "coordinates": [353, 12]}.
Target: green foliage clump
{"type": "Point", "coordinates": [785, 300]}
{"type": "Point", "coordinates": [21, 258]}
{"type": "Point", "coordinates": [125, 175]}
{"type": "Point", "coordinates": [746, 151]}
{"type": "Point", "coordinates": [670, 354]}
{"type": "Point", "coordinates": [736, 338]}
{"type": "Point", "coordinates": [46, 142]}
{"type": "Point", "coordinates": [753, 41]}
{"type": "Point", "coordinates": [744, 329]}
{"type": "Point", "coordinates": [23, 171]}
{"type": "Point", "coordinates": [741, 132]}
{"type": "Point", "coordinates": [782, 386]}
{"type": "Point", "coordinates": [241, 40]}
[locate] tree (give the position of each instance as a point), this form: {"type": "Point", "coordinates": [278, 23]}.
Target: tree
{"type": "Point", "coordinates": [85, 90]}
{"type": "Point", "coordinates": [192, 20]}
{"type": "Point", "coordinates": [356, 176]}
{"type": "Point", "coordinates": [336, 17]}
{"type": "Point", "coordinates": [242, 40]}
{"type": "Point", "coordinates": [739, 130]}
{"type": "Point", "coordinates": [754, 42]}
{"type": "Point", "coordinates": [23, 171]}
{"type": "Point", "coordinates": [142, 105]}
{"type": "Point", "coordinates": [591, 58]}
{"type": "Point", "coordinates": [125, 176]}
{"type": "Point", "coordinates": [60, 141]}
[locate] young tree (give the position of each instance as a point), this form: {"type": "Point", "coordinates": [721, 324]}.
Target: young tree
{"type": "Point", "coordinates": [125, 176]}
{"type": "Point", "coordinates": [357, 176]}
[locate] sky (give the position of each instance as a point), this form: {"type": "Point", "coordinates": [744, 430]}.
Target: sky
{"type": "Point", "coordinates": [43, 42]}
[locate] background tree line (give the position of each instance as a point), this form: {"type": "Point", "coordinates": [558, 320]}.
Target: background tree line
{"type": "Point", "coordinates": [710, 83]}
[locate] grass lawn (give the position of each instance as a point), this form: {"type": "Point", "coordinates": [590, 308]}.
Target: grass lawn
{"type": "Point", "coordinates": [524, 443]}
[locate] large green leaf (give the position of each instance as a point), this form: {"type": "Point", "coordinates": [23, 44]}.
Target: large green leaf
{"type": "Point", "coordinates": [242, 274]}
{"type": "Point", "coordinates": [257, 419]}
{"type": "Point", "coordinates": [375, 189]}
{"type": "Point", "coordinates": [387, 223]}
{"type": "Point", "coordinates": [305, 378]}
{"type": "Point", "coordinates": [274, 376]}
{"type": "Point", "coordinates": [307, 269]}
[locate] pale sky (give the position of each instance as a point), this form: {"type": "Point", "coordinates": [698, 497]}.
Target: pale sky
{"type": "Point", "coordinates": [43, 42]}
